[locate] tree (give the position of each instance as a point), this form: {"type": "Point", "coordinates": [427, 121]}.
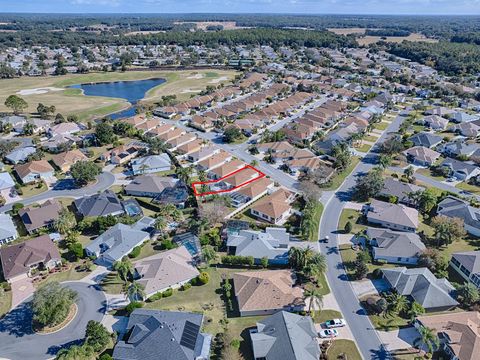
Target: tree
{"type": "Point", "coordinates": [97, 335]}
{"type": "Point", "coordinates": [427, 201]}
{"type": "Point", "coordinates": [84, 172]}
{"type": "Point", "coordinates": [124, 268]}
{"type": "Point", "coordinates": [342, 156]}
{"type": "Point", "coordinates": [361, 269]}
{"type": "Point", "coordinates": [29, 129]}
{"type": "Point", "coordinates": [232, 134]}
{"type": "Point", "coordinates": [51, 304]}
{"type": "Point", "coordinates": [397, 303]}
{"type": "Point", "coordinates": [434, 261]}
{"type": "Point", "coordinates": [415, 310]}
{"type": "Point", "coordinates": [369, 185]}
{"type": "Point", "coordinates": [264, 262]}
{"type": "Point", "coordinates": [160, 223]}
{"type": "Point", "coordinates": [392, 146]}
{"type": "Point", "coordinates": [65, 222]}
{"type": "Point", "coordinates": [427, 338]}
{"type": "Point", "coordinates": [204, 277]}
{"type": "Point", "coordinates": [385, 160]}
{"type": "Point", "coordinates": [209, 254]}
{"type": "Point", "coordinates": [184, 173]}
{"type": "Point", "coordinates": [104, 133]}
{"type": "Point", "coordinates": [136, 291]}
{"type": "Point", "coordinates": [16, 103]}
{"type": "Point", "coordinates": [76, 352]}
{"type": "Point", "coordinates": [468, 294]}
{"type": "Point", "coordinates": [348, 227]}
{"type": "Point", "coordinates": [408, 172]}
{"type": "Point", "coordinates": [314, 296]}
{"type": "Point", "coordinates": [213, 211]}
{"type": "Point", "coordinates": [76, 249]}
{"type": "Point", "coordinates": [447, 230]}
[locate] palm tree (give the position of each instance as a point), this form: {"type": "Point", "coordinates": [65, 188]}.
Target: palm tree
{"type": "Point", "coordinates": [209, 253]}
{"type": "Point", "coordinates": [29, 129]}
{"type": "Point", "coordinates": [313, 295]}
{"type": "Point", "coordinates": [397, 303]}
{"type": "Point", "coordinates": [183, 173]}
{"type": "Point", "coordinates": [428, 338]}
{"type": "Point", "coordinates": [409, 171]}
{"type": "Point", "coordinates": [160, 223]}
{"type": "Point", "coordinates": [124, 268]}
{"type": "Point", "coordinates": [385, 161]}
{"type": "Point", "coordinates": [136, 291]}
{"type": "Point", "coordinates": [316, 266]}
{"type": "Point", "coordinates": [65, 222]}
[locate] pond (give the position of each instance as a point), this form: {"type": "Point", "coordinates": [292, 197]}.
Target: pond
{"type": "Point", "coordinates": [132, 91]}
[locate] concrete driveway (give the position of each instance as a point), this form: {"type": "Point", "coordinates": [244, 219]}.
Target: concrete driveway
{"type": "Point", "coordinates": [399, 339]}
{"type": "Point", "coordinates": [369, 287]}
{"type": "Point", "coordinates": [19, 342]}
{"type": "Point", "coordinates": [21, 290]}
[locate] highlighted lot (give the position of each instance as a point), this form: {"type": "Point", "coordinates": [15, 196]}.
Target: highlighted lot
{"type": "Point", "coordinates": [229, 182]}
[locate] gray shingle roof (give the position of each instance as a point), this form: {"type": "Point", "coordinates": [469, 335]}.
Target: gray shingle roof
{"type": "Point", "coordinates": [422, 286]}
{"type": "Point", "coordinates": [163, 335]}
{"type": "Point", "coordinates": [399, 189]}
{"type": "Point", "coordinates": [102, 204]}
{"type": "Point", "coordinates": [286, 336]}
{"type": "Point", "coordinates": [7, 227]}
{"type": "Point", "coordinates": [395, 243]}
{"type": "Point", "coordinates": [470, 260]}
{"type": "Point", "coordinates": [454, 207]}
{"type": "Point", "coordinates": [425, 139]}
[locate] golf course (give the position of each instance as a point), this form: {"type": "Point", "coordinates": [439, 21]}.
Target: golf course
{"type": "Point", "coordinates": [54, 90]}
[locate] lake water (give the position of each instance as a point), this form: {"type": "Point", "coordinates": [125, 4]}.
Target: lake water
{"type": "Point", "coordinates": [132, 91]}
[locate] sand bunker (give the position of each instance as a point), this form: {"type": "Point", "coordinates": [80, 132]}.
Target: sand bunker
{"type": "Point", "coordinates": [217, 80]}
{"type": "Point", "coordinates": [38, 91]}
{"type": "Point", "coordinates": [196, 76]}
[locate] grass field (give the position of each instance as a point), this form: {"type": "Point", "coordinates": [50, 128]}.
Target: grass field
{"type": "Point", "coordinates": [353, 216]}
{"type": "Point", "coordinates": [71, 101]}
{"type": "Point", "coordinates": [346, 347]}
{"type": "Point", "coordinates": [340, 178]}
{"type": "Point", "coordinates": [313, 230]}
{"type": "Point", "coordinates": [5, 302]}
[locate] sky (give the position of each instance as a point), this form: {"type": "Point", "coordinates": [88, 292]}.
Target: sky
{"type": "Point", "coordinates": [415, 7]}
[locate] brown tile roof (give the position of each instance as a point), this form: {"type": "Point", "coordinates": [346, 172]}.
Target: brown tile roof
{"type": "Point", "coordinates": [67, 159]}
{"type": "Point", "coordinates": [463, 330]}
{"type": "Point", "coordinates": [228, 168]}
{"type": "Point", "coordinates": [215, 160]}
{"type": "Point", "coordinates": [40, 166]}
{"type": "Point", "coordinates": [255, 188]}
{"type": "Point", "coordinates": [275, 204]}
{"type": "Point", "coordinates": [37, 217]}
{"type": "Point", "coordinates": [17, 259]}
{"type": "Point", "coordinates": [175, 133]}
{"type": "Point", "coordinates": [266, 290]}
{"type": "Point", "coordinates": [190, 147]}
{"type": "Point", "coordinates": [182, 139]}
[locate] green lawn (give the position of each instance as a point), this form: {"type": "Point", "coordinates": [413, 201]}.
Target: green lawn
{"type": "Point", "coordinates": [32, 190]}
{"type": "Point", "coordinates": [381, 125]}
{"type": "Point", "coordinates": [322, 282]}
{"type": "Point", "coordinates": [339, 178]}
{"type": "Point", "coordinates": [313, 230]}
{"type": "Point", "coordinates": [468, 187]}
{"type": "Point", "coordinates": [387, 323]}
{"type": "Point", "coordinates": [427, 172]}
{"type": "Point", "coordinates": [69, 275]}
{"type": "Point", "coordinates": [364, 148]}
{"type": "Point", "coordinates": [324, 315]}
{"type": "Point", "coordinates": [370, 138]}
{"type": "Point", "coordinates": [5, 302]}
{"type": "Point", "coordinates": [112, 284]}
{"type": "Point", "coordinates": [342, 346]}
{"type": "Point", "coordinates": [354, 217]}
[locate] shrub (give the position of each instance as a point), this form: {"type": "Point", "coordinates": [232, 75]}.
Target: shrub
{"type": "Point", "coordinates": [186, 286]}
{"type": "Point", "coordinates": [105, 357]}
{"type": "Point", "coordinates": [155, 297]}
{"type": "Point", "coordinates": [132, 306]}
{"type": "Point", "coordinates": [203, 277]}
{"type": "Point", "coordinates": [16, 207]}
{"type": "Point", "coordinates": [135, 252]}
{"type": "Point", "coordinates": [235, 343]}
{"type": "Point", "coordinates": [167, 244]}
{"type": "Point", "coordinates": [76, 249]}
{"type": "Point", "coordinates": [167, 293]}
{"type": "Point", "coordinates": [377, 273]}
{"type": "Point", "coordinates": [348, 227]}
{"type": "Point", "coordinates": [238, 260]}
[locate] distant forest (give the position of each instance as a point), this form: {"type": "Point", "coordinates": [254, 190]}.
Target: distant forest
{"type": "Point", "coordinates": [457, 53]}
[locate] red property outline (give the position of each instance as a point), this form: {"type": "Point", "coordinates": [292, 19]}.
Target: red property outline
{"type": "Point", "coordinates": [261, 175]}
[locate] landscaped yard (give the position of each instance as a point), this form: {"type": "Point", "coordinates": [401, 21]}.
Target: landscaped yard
{"type": "Point", "coordinates": [313, 230]}
{"type": "Point", "coordinates": [387, 322]}
{"type": "Point", "coordinates": [381, 125]}
{"type": "Point", "coordinates": [427, 172]}
{"type": "Point", "coordinates": [354, 217]}
{"type": "Point", "coordinates": [339, 178]}
{"type": "Point", "coordinates": [5, 302]}
{"type": "Point", "coordinates": [468, 187]}
{"type": "Point", "coordinates": [324, 315]}
{"type": "Point", "coordinates": [32, 190]}
{"type": "Point", "coordinates": [370, 138]}
{"type": "Point", "coordinates": [364, 148]}
{"type": "Point", "coordinates": [342, 346]}
{"type": "Point", "coordinates": [112, 284]}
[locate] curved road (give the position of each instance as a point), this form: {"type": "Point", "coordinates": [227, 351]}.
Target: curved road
{"type": "Point", "coordinates": [104, 181]}
{"type": "Point", "coordinates": [367, 339]}
{"type": "Point", "coordinates": [18, 342]}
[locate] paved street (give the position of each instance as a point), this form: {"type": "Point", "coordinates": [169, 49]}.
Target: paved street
{"type": "Point", "coordinates": [19, 342]}
{"type": "Point", "coordinates": [104, 181]}
{"type": "Point", "coordinates": [368, 341]}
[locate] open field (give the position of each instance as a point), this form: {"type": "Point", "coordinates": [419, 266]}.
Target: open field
{"type": "Point", "coordinates": [52, 90]}
{"type": "Point", "coordinates": [203, 25]}
{"type": "Point", "coordinates": [347, 31]}
{"type": "Point", "coordinates": [368, 39]}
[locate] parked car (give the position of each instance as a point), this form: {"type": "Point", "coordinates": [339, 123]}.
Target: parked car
{"type": "Point", "coordinates": [328, 333]}
{"type": "Point", "coordinates": [334, 323]}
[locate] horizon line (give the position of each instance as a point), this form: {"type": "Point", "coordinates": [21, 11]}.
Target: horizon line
{"type": "Point", "coordinates": [236, 13]}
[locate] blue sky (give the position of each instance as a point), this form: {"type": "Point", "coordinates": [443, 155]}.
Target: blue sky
{"type": "Point", "coordinates": [469, 7]}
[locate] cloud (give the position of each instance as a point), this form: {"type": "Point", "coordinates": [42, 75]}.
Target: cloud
{"type": "Point", "coordinates": [112, 3]}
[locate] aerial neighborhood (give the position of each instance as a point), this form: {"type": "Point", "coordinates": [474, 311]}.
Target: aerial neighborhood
{"type": "Point", "coordinates": [237, 190]}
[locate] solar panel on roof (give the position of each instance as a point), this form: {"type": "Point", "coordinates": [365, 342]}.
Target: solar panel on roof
{"type": "Point", "coordinates": [189, 336]}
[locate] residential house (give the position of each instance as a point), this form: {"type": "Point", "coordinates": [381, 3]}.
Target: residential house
{"type": "Point", "coordinates": [166, 270]}
{"type": "Point", "coordinates": [65, 160]}
{"type": "Point", "coordinates": [467, 265]}
{"type": "Point", "coordinates": [395, 247]}
{"type": "Point", "coordinates": [190, 241]}
{"type": "Point", "coordinates": [456, 208]}
{"type": "Point", "coordinates": [469, 130]}
{"type": "Point", "coordinates": [225, 169]}
{"type": "Point", "coordinates": [285, 336]}
{"type": "Point", "coordinates": [422, 286]}
{"type": "Point", "coordinates": [189, 147]}
{"type": "Point", "coordinates": [20, 154]}
{"type": "Point", "coordinates": [119, 241]}
{"type": "Point", "coordinates": [459, 333]}
{"type": "Point", "coordinates": [6, 181]}
{"type": "Point", "coordinates": [19, 260]}
{"type": "Point", "coordinates": [266, 292]}
{"type": "Point", "coordinates": [435, 122]}
{"type": "Point", "coordinates": [203, 153]}
{"type": "Point", "coordinates": [149, 185]}
{"type": "Point", "coordinates": [8, 231]}
{"type": "Point", "coordinates": [172, 135]}
{"type": "Point", "coordinates": [151, 164]}
{"type": "Point", "coordinates": [272, 244]}
{"type": "Point", "coordinates": [461, 170]}
{"type": "Point", "coordinates": [425, 139]}
{"type": "Point", "coordinates": [251, 192]}
{"type": "Point", "coordinates": [420, 155]}
{"type": "Point", "coordinates": [16, 122]}
{"type": "Point", "coordinates": [102, 204]}
{"type": "Point", "coordinates": [41, 217]}
{"type": "Point", "coordinates": [66, 128]}
{"type": "Point", "coordinates": [163, 335]}
{"type": "Point", "coordinates": [34, 171]}
{"type": "Point", "coordinates": [214, 161]}
{"type": "Point", "coordinates": [122, 154]}
{"type": "Point", "coordinates": [463, 117]}
{"type": "Point", "coordinates": [274, 208]}
{"type": "Point", "coordinates": [460, 148]}
{"type": "Point", "coordinates": [391, 216]}
{"type": "Point", "coordinates": [181, 140]}
{"type": "Point", "coordinates": [400, 190]}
